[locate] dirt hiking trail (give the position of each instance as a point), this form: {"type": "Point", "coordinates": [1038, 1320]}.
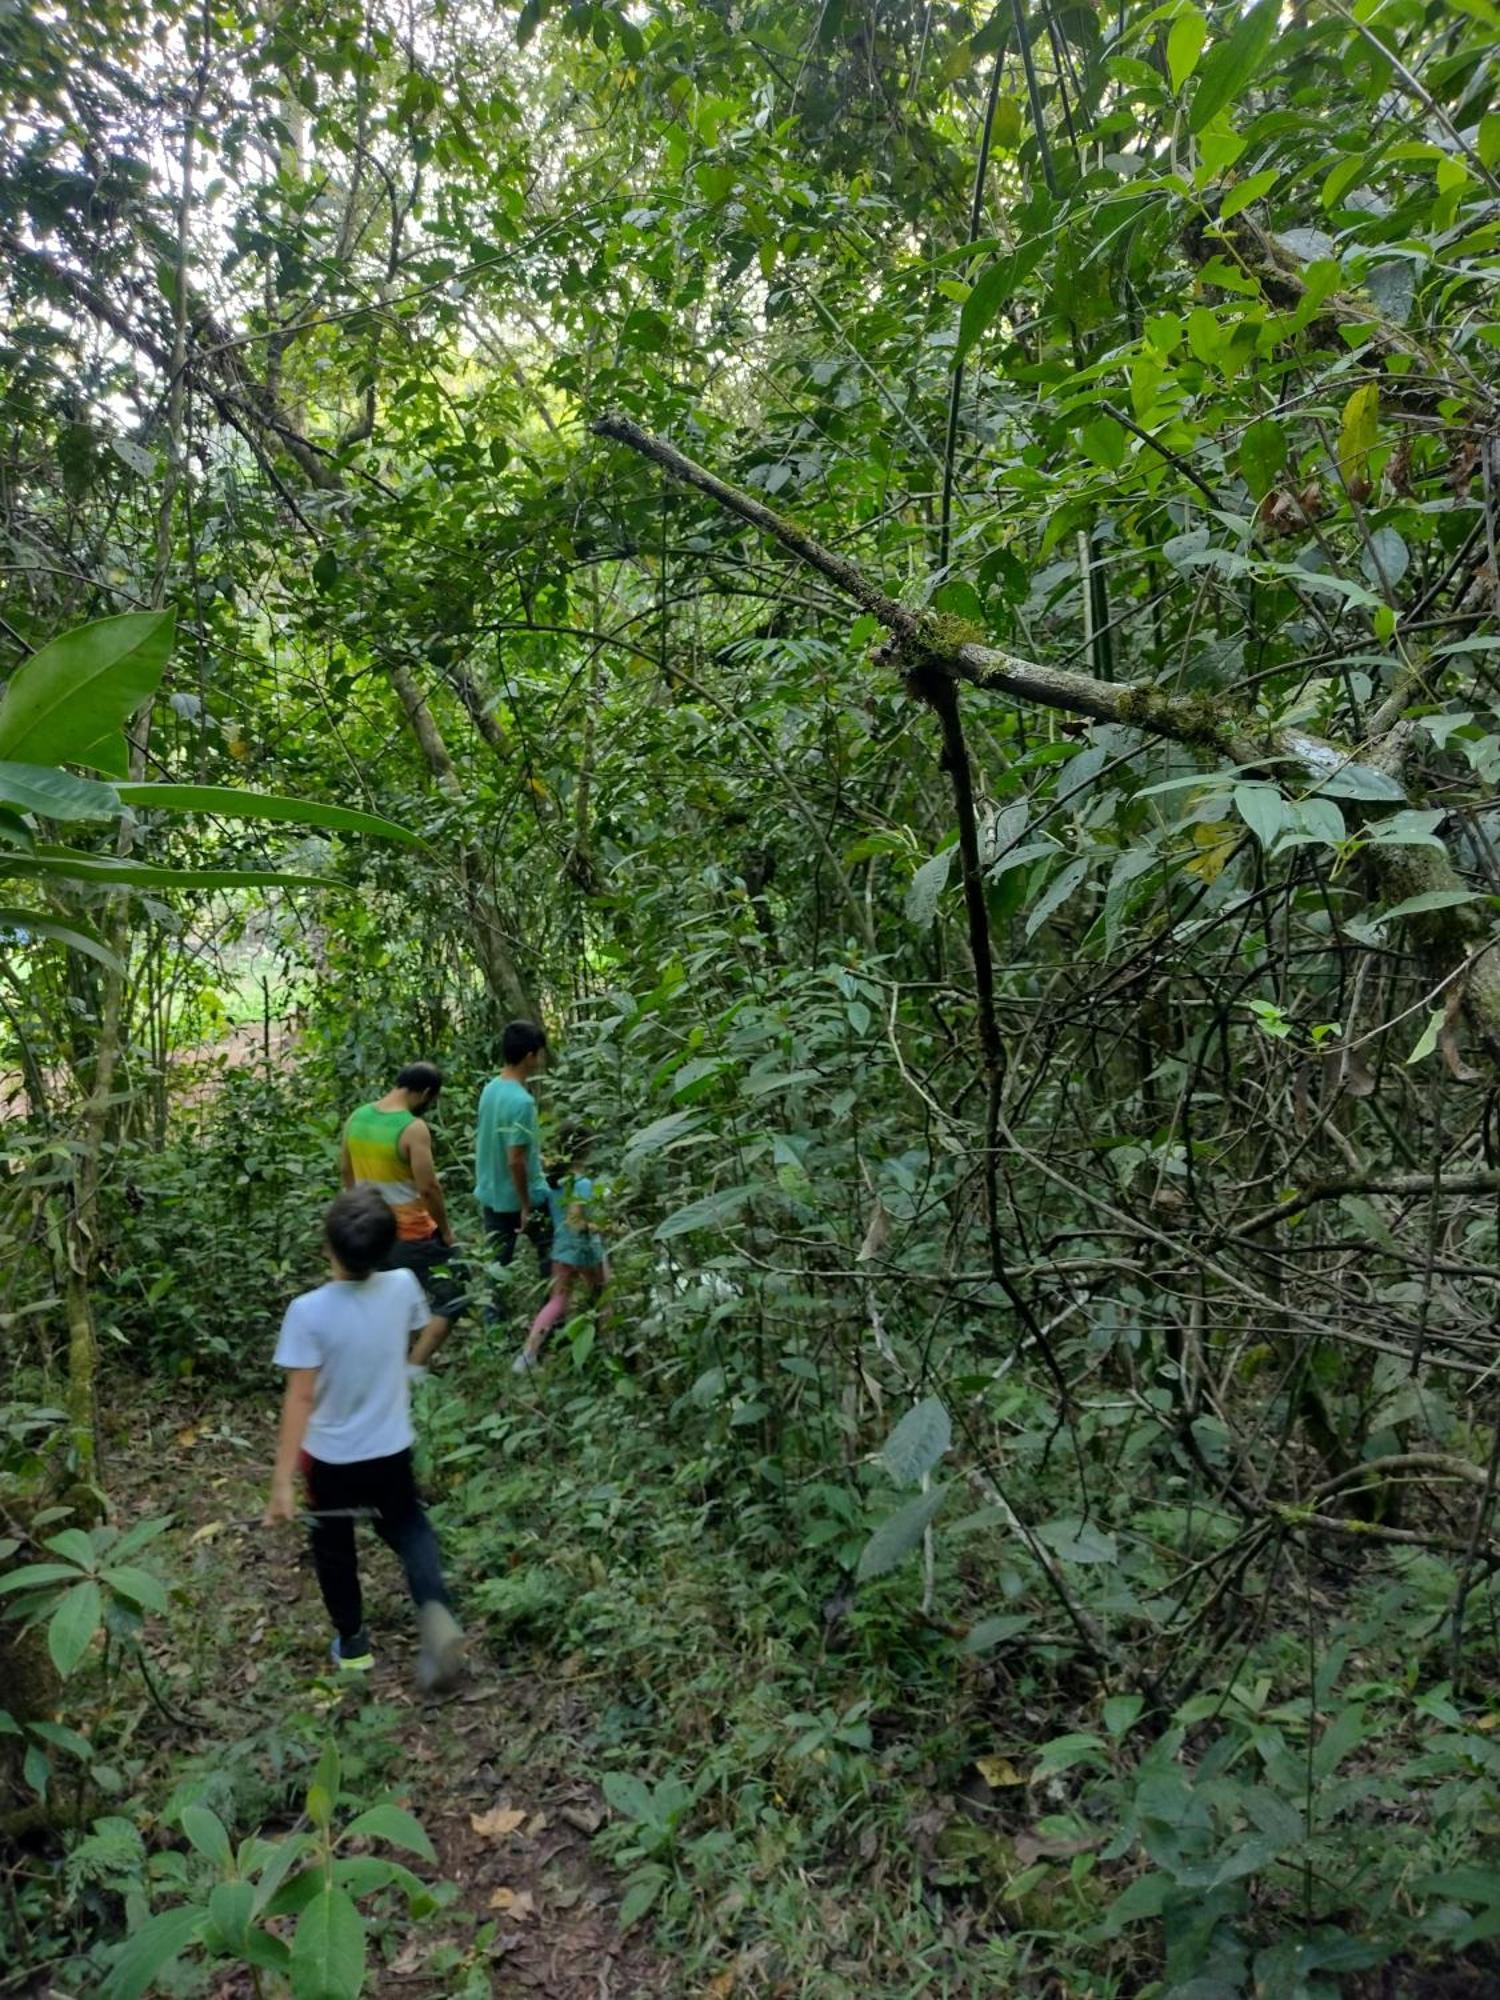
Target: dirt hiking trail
{"type": "Point", "coordinates": [244, 1649]}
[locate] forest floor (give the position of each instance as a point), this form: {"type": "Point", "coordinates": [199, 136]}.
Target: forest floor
{"type": "Point", "coordinates": [484, 1770]}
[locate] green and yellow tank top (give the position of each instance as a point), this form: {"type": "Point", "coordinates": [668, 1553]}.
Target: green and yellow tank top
{"type": "Point", "coordinates": [373, 1138]}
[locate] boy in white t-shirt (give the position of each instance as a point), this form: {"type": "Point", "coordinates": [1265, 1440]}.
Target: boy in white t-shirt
{"type": "Point", "coordinates": [346, 1424]}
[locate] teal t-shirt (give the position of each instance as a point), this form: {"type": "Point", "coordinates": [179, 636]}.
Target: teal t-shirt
{"type": "Point", "coordinates": [507, 1117]}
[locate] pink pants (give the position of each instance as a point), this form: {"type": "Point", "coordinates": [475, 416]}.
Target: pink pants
{"type": "Point", "coordinates": [564, 1278]}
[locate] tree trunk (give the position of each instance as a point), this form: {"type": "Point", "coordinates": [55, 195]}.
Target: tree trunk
{"type": "Point", "coordinates": [490, 939]}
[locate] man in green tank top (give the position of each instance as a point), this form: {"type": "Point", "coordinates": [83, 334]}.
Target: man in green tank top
{"type": "Point", "coordinates": [387, 1146]}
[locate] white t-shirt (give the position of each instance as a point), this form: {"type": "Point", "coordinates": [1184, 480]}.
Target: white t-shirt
{"type": "Point", "coordinates": [356, 1335]}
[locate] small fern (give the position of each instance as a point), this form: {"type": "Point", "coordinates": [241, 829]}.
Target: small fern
{"type": "Point", "coordinates": [112, 1856]}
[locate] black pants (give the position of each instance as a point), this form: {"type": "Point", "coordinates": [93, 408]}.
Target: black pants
{"type": "Point", "coordinates": [388, 1485]}
{"type": "Point", "coordinates": [440, 1274]}
{"type": "Point", "coordinates": [504, 1227]}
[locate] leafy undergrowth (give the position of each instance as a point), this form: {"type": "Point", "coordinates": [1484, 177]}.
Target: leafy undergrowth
{"type": "Point", "coordinates": [699, 1757]}
{"type": "Point", "coordinates": [817, 1790]}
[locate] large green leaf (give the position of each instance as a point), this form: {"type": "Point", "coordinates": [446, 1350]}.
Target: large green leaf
{"type": "Point", "coordinates": [207, 1833]}
{"type": "Point", "coordinates": [42, 788]}
{"type": "Point", "coordinates": [1145, 1897]}
{"type": "Point", "coordinates": [918, 1441]}
{"type": "Point", "coordinates": [229, 1907]}
{"type": "Point", "coordinates": [1361, 781]}
{"type": "Point", "coordinates": [990, 291]}
{"type": "Point", "coordinates": [1263, 810]}
{"type": "Point", "coordinates": [1231, 63]}
{"type": "Point", "coordinates": [1057, 892]}
{"type": "Point", "coordinates": [706, 1212]}
{"type": "Point", "coordinates": [73, 1624]}
{"type": "Point", "coordinates": [392, 1824]}
{"type": "Point", "coordinates": [68, 703]}
{"type": "Point", "coordinates": [328, 1950]}
{"type": "Point", "coordinates": [284, 1857]}
{"type": "Point", "coordinates": [58, 1734]}
{"type": "Point", "coordinates": [630, 1796]}
{"type": "Point", "coordinates": [74, 1545]}
{"type": "Point", "coordinates": [149, 1951]}
{"type": "Point", "coordinates": [995, 1631]}
{"type": "Point", "coordinates": [927, 886]}
{"type": "Point", "coordinates": [1078, 1541]}
{"type": "Point", "coordinates": [35, 1575]}
{"type": "Point", "coordinates": [76, 935]}
{"type": "Point", "coordinates": [105, 869]}
{"type": "Point", "coordinates": [1185, 41]}
{"type": "Point", "coordinates": [233, 804]}
{"type": "Point", "coordinates": [14, 831]}
{"type": "Point", "coordinates": [1430, 899]}
{"type": "Point", "coordinates": [660, 1133]}
{"type": "Point", "coordinates": [894, 1540]}
{"type": "Point", "coordinates": [139, 1585]}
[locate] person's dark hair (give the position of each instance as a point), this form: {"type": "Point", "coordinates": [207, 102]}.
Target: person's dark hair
{"type": "Point", "coordinates": [359, 1229]}
{"type": "Point", "coordinates": [423, 1076]}
{"type": "Point", "coordinates": [573, 1143]}
{"type": "Point", "coordinates": [521, 1039]}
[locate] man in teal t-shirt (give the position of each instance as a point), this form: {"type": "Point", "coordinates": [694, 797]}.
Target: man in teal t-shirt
{"type": "Point", "coordinates": [509, 1184]}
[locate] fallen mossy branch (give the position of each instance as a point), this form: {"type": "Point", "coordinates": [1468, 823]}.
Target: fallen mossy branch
{"type": "Point", "coordinates": [1374, 1531]}
{"type": "Point", "coordinates": [1409, 1187]}
{"type": "Point", "coordinates": [1455, 941]}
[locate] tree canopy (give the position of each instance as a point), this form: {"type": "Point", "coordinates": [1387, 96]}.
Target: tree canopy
{"type": "Point", "coordinates": [920, 581]}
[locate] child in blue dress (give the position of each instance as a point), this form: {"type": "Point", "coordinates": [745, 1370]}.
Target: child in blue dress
{"type": "Point", "coordinates": [578, 1252]}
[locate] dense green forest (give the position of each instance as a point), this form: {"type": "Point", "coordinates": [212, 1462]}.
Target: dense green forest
{"type": "Point", "coordinates": [919, 582]}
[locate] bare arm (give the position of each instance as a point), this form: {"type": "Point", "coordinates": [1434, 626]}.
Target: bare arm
{"type": "Point", "coordinates": [346, 1166]}
{"type": "Point", "coordinates": [296, 1408]}
{"type": "Point", "coordinates": [516, 1160]}
{"type": "Point", "coordinates": [416, 1145]}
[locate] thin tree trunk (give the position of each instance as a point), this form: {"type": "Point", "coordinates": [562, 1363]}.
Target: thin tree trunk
{"type": "Point", "coordinates": [81, 1240]}
{"type": "Point", "coordinates": [489, 934]}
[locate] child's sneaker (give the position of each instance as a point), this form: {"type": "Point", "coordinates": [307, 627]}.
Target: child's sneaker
{"type": "Point", "coordinates": [353, 1656]}
{"type": "Point", "coordinates": [524, 1362]}
{"type": "Point", "coordinates": [440, 1664]}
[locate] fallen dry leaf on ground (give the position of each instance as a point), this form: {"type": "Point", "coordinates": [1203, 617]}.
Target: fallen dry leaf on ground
{"type": "Point", "coordinates": [998, 1771]}
{"type": "Point", "coordinates": [497, 1823]}
{"type": "Point", "coordinates": [516, 1904]}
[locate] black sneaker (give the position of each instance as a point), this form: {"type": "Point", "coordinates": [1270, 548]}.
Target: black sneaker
{"type": "Point", "coordinates": [352, 1656]}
